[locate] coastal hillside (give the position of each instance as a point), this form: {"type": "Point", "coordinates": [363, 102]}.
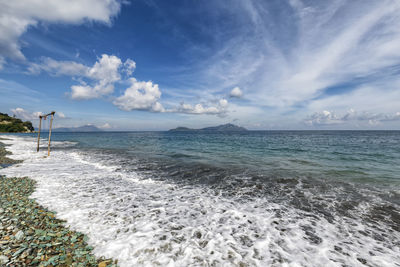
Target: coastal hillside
{"type": "Point", "coordinates": [13, 125]}
{"type": "Point", "coordinates": [229, 127]}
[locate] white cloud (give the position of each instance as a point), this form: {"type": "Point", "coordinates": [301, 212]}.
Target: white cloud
{"type": "Point", "coordinates": [129, 66]}
{"type": "Point", "coordinates": [61, 115]}
{"type": "Point", "coordinates": [105, 126]}
{"type": "Point", "coordinates": [328, 118]}
{"type": "Point", "coordinates": [106, 69]}
{"type": "Point", "coordinates": [219, 109]}
{"type": "Point", "coordinates": [84, 92]}
{"type": "Point", "coordinates": [324, 44]}
{"type": "Point", "coordinates": [372, 98]}
{"type": "Point", "coordinates": [37, 114]}
{"type": "Point", "coordinates": [223, 103]}
{"type": "Point", "coordinates": [57, 68]}
{"type": "Point", "coordinates": [323, 118]}
{"type": "Point", "coordinates": [105, 72]}
{"type": "Point", "coordinates": [99, 80]}
{"type": "Point", "coordinates": [332, 51]}
{"type": "Point", "coordinates": [17, 16]}
{"type": "Point", "coordinates": [25, 115]}
{"type": "Point", "coordinates": [140, 96]}
{"type": "Point", "coordinates": [236, 92]}
{"type": "Point", "coordinates": [102, 75]}
{"type": "Point", "coordinates": [157, 107]}
{"type": "Point", "coordinates": [96, 81]}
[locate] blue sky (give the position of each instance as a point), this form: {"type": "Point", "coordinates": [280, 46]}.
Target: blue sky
{"type": "Point", "coordinates": [155, 65]}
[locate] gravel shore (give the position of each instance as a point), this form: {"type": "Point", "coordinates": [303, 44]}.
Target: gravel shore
{"type": "Point", "coordinates": [30, 235]}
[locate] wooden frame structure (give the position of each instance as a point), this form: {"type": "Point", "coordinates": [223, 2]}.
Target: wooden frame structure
{"type": "Point", "coordinates": [40, 126]}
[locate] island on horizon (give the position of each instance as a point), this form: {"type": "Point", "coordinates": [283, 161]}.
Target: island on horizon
{"type": "Point", "coordinates": [229, 127]}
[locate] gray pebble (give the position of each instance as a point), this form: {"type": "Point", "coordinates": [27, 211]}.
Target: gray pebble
{"type": "Point", "coordinates": [19, 235]}
{"type": "Point", "coordinates": [3, 259]}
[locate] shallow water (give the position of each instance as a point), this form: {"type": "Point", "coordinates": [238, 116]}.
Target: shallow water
{"type": "Point", "coordinates": [224, 199]}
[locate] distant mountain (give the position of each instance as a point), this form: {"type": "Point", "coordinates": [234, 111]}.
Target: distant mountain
{"type": "Point", "coordinates": [85, 128]}
{"type": "Point", "coordinates": [181, 129]}
{"type": "Point", "coordinates": [229, 127]}
{"type": "Point", "coordinates": [13, 125]}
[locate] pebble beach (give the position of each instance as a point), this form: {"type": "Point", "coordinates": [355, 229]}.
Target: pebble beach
{"type": "Point", "coordinates": [31, 235]}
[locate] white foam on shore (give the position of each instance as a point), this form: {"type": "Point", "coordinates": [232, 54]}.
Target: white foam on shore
{"type": "Point", "coordinates": [142, 222]}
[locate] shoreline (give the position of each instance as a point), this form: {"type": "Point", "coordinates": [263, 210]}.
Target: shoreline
{"type": "Point", "coordinates": [31, 234]}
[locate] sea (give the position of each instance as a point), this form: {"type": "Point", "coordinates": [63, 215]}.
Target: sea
{"type": "Point", "coordinates": [252, 198]}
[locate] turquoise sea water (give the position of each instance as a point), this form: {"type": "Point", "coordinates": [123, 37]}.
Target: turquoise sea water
{"type": "Point", "coordinates": [363, 156]}
{"type": "Point", "coordinates": [335, 194]}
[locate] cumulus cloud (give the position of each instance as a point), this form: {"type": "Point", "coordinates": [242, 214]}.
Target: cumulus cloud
{"type": "Point", "coordinates": [99, 80]}
{"type": "Point", "coordinates": [105, 126]}
{"type": "Point", "coordinates": [96, 81]}
{"type": "Point", "coordinates": [36, 114]}
{"type": "Point", "coordinates": [101, 76]}
{"type": "Point", "coordinates": [88, 92]}
{"type": "Point", "coordinates": [328, 118]}
{"type": "Point", "coordinates": [219, 109]}
{"type": "Point", "coordinates": [60, 115]}
{"type": "Point", "coordinates": [105, 72]}
{"type": "Point", "coordinates": [323, 118]}
{"type": "Point", "coordinates": [140, 95]}
{"type": "Point", "coordinates": [17, 16]}
{"type": "Point", "coordinates": [157, 107]}
{"type": "Point", "coordinates": [105, 69]}
{"type": "Point", "coordinates": [236, 92]}
{"type": "Point", "coordinates": [130, 66]}
{"type": "Point", "coordinates": [27, 115]}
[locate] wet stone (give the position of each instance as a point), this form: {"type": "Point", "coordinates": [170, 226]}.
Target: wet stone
{"type": "Point", "coordinates": [32, 236]}
{"type": "Point", "coordinates": [3, 259]}
{"type": "Point", "coordinates": [363, 261]}
{"type": "Point", "coordinates": [19, 235]}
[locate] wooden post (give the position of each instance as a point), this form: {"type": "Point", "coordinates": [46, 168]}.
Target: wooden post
{"type": "Point", "coordinates": [38, 137]}
{"type": "Point", "coordinates": [51, 122]}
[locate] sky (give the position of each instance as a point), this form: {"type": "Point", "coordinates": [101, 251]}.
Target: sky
{"type": "Point", "coordinates": [156, 65]}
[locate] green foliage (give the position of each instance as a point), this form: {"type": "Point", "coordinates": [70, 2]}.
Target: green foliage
{"type": "Point", "coordinates": [13, 125]}
{"type": "Point", "coordinates": [28, 125]}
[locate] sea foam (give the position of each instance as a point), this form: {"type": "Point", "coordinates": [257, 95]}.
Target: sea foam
{"type": "Point", "coordinates": [147, 222]}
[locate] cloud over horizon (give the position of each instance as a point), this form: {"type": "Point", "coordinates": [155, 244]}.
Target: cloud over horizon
{"type": "Point", "coordinates": [26, 115]}
{"type": "Point", "coordinates": [236, 92]}
{"type": "Point", "coordinates": [329, 118]}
